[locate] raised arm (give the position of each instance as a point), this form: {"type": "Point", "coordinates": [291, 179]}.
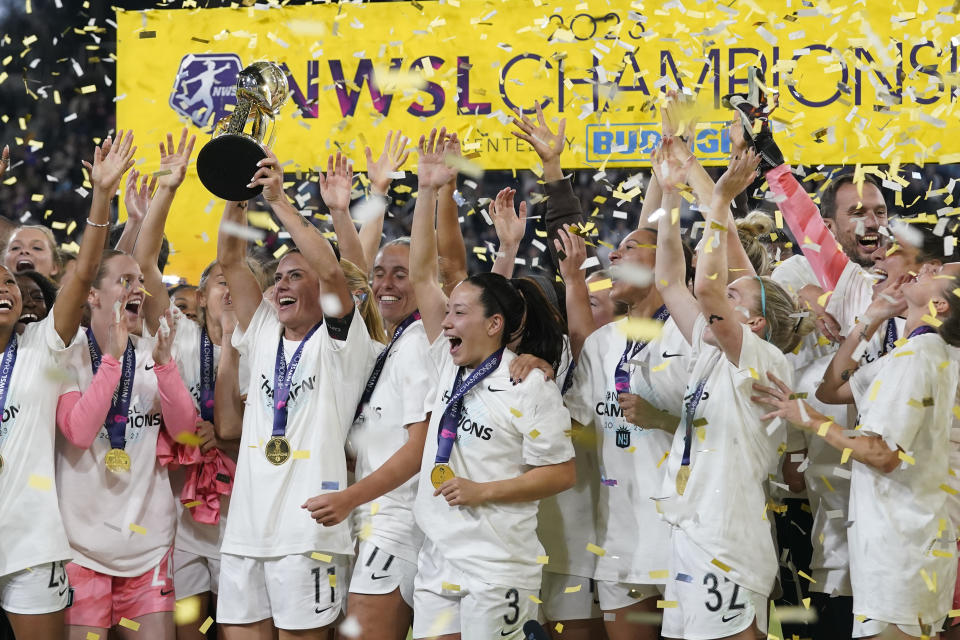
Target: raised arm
{"type": "Point", "coordinates": [380, 173]}
{"type": "Point", "coordinates": [580, 322]}
{"type": "Point", "coordinates": [710, 282]}
{"type": "Point", "coordinates": [110, 162]}
{"type": "Point", "coordinates": [150, 239]}
{"type": "Point", "coordinates": [231, 256]}
{"type": "Point", "coordinates": [335, 191]}
{"type": "Point", "coordinates": [670, 271]}
{"type": "Point", "coordinates": [314, 247]}
{"type": "Point", "coordinates": [432, 172]}
{"type": "Point", "coordinates": [510, 230]}
{"type": "Point", "coordinates": [137, 201]}
{"type": "Point", "coordinates": [227, 394]}
{"type": "Point", "coordinates": [451, 249]}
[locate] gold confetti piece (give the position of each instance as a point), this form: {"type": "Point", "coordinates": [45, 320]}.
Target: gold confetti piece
{"type": "Point", "coordinates": [948, 489]}
{"type": "Point", "coordinates": [188, 439]}
{"type": "Point", "coordinates": [535, 599]}
{"type": "Point", "coordinates": [594, 549]}
{"type": "Point", "coordinates": [192, 504]}
{"type": "Point", "coordinates": [660, 367]}
{"type": "Point", "coordinates": [939, 553]}
{"type": "Point", "coordinates": [515, 413]}
{"type": "Point", "coordinates": [826, 482]}
{"type": "Point", "coordinates": [301, 454]}
{"type": "Point", "coordinates": [930, 320]}
{"type": "Point", "coordinates": [322, 557]}
{"type": "Point", "coordinates": [600, 285]}
{"type": "Point", "coordinates": [374, 508]}
{"type": "Point", "coordinates": [93, 636]}
{"type": "Point", "coordinates": [906, 458]}
{"type": "Point", "coordinates": [559, 627]}
{"type": "Point", "coordinates": [754, 374]}
{"type": "Point", "coordinates": [40, 483]}
{"type": "Point", "coordinates": [138, 529]}
{"type": "Point", "coordinates": [824, 429]}
{"type": "Point", "coordinates": [90, 88]}
{"type": "Point", "coordinates": [206, 625]}
{"type": "Point", "coordinates": [954, 613]}
{"type": "Point", "coordinates": [666, 604]}
{"type": "Point", "coordinates": [660, 574]}
{"type": "Point", "coordinates": [845, 455]}
{"type": "Point", "coordinates": [665, 454]}
{"type": "Point", "coordinates": [931, 582]}
{"type": "Point", "coordinates": [822, 300]}
{"type": "Point", "coordinates": [641, 328]}
{"type": "Point", "coordinates": [333, 580]}
{"type": "Point", "coordinates": [129, 624]}
{"type": "Point", "coordinates": [804, 575]}
{"type": "Point", "coordinates": [806, 602]}
{"type": "Point", "coordinates": [573, 589]}
{"type": "Point", "coordinates": [720, 565]}
{"type": "Point", "coordinates": [449, 586]}
{"type": "Point", "coordinates": [543, 559]}
{"type": "Point", "coordinates": [186, 610]}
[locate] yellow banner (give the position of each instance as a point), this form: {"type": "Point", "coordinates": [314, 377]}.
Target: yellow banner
{"type": "Point", "coordinates": [877, 85]}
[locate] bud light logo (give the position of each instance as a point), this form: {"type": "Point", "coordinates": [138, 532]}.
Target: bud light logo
{"type": "Point", "coordinates": [206, 83]}
{"type": "Point", "coordinates": [633, 143]}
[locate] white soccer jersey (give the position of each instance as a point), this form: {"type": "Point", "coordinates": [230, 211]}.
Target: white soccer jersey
{"type": "Point", "coordinates": [900, 520]}
{"type": "Point", "coordinates": [404, 395]}
{"type": "Point", "coordinates": [30, 524]}
{"type": "Point", "coordinates": [265, 515]}
{"type": "Point", "coordinates": [661, 370]}
{"type": "Point", "coordinates": [629, 457]}
{"type": "Point", "coordinates": [120, 524]}
{"type": "Point", "coordinates": [504, 430]}
{"type": "Point", "coordinates": [732, 453]}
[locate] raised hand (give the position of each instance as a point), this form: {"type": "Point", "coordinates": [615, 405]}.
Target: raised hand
{"type": "Point", "coordinates": [890, 302]}
{"type": "Point", "coordinates": [270, 177]}
{"type": "Point", "coordinates": [175, 161]}
{"type": "Point", "coordinates": [667, 166]}
{"type": "Point", "coordinates": [137, 199]}
{"type": "Point", "coordinates": [546, 143]}
{"type": "Point", "coordinates": [740, 174]}
{"type": "Point", "coordinates": [165, 338]}
{"type": "Point", "coordinates": [432, 170]}
{"type": "Point", "coordinates": [394, 154]}
{"type": "Point", "coordinates": [451, 149]}
{"type": "Point", "coordinates": [335, 186]}
{"type": "Point", "coordinates": [110, 161]}
{"type": "Point", "coordinates": [572, 250]}
{"type": "Point", "coordinates": [117, 335]}
{"type": "Point", "coordinates": [677, 117]}
{"type": "Point", "coordinates": [4, 160]}
{"type": "Point", "coordinates": [509, 226]}
{"type": "Point", "coordinates": [827, 325]}
{"type": "Point", "coordinates": [782, 402]}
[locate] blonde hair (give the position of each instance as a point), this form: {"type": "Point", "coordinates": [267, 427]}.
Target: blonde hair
{"type": "Point", "coordinates": [787, 322]}
{"type": "Point", "coordinates": [357, 281]}
{"type": "Point", "coordinates": [51, 241]}
{"type": "Point", "coordinates": [754, 232]}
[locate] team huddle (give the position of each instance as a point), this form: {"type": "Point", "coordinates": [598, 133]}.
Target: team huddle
{"type": "Point", "coordinates": [362, 437]}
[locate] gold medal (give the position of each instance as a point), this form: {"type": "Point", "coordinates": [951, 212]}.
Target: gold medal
{"type": "Point", "coordinates": [277, 450]}
{"type": "Point", "coordinates": [117, 461]}
{"type": "Point", "coordinates": [440, 474]}
{"type": "Point", "coordinates": [683, 475]}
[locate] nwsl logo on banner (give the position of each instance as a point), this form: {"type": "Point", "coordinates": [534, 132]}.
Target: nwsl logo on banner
{"type": "Point", "coordinates": [205, 84]}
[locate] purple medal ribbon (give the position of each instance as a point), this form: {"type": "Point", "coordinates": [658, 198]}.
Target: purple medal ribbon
{"type": "Point", "coordinates": [6, 369]}
{"type": "Point", "coordinates": [282, 381]}
{"type": "Point", "coordinates": [621, 377]}
{"type": "Point", "coordinates": [689, 409]}
{"type": "Point", "coordinates": [889, 342]}
{"type": "Point", "coordinates": [117, 416]}
{"type": "Point", "coordinates": [208, 380]}
{"type": "Point", "coordinates": [450, 420]}
{"type": "Point", "coordinates": [922, 329]}
{"type": "Point", "coordinates": [381, 360]}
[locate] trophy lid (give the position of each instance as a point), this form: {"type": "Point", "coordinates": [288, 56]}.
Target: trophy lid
{"type": "Point", "coordinates": [264, 84]}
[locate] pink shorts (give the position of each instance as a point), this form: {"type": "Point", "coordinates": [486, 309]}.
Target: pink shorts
{"type": "Point", "coordinates": [100, 600]}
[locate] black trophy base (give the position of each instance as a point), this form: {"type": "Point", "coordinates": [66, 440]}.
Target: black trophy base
{"type": "Point", "coordinates": [227, 163]}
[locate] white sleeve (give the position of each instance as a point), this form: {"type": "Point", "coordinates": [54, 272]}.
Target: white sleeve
{"type": "Point", "coordinates": [245, 341]}
{"type": "Point", "coordinates": [903, 403]}
{"type": "Point", "coordinates": [544, 423]}
{"type": "Point", "coordinates": [579, 397]}
{"type": "Point", "coordinates": [419, 386]}
{"type": "Point", "coordinates": [794, 274]}
{"type": "Point", "coordinates": [47, 329]}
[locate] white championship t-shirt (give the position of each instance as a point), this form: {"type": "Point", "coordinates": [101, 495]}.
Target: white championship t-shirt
{"type": "Point", "coordinates": [30, 524]}
{"type": "Point", "coordinates": [265, 515]}
{"type": "Point", "coordinates": [732, 454]}
{"type": "Point", "coordinates": [629, 458]}
{"type": "Point", "coordinates": [901, 527]}
{"type": "Point", "coordinates": [404, 395]}
{"type": "Point", "coordinates": [504, 431]}
{"type": "Point", "coordinates": [120, 524]}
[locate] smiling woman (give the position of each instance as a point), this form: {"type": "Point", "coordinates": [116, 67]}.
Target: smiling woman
{"type": "Point", "coordinates": [33, 248]}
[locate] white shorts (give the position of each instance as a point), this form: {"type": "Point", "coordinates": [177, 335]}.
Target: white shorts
{"type": "Point", "coordinates": [871, 627]}
{"type": "Point", "coordinates": [194, 574]}
{"type": "Point", "coordinates": [377, 572]}
{"type": "Point", "coordinates": [446, 601]}
{"type": "Point", "coordinates": [617, 595]}
{"type": "Point", "coordinates": [561, 602]}
{"type": "Point", "coordinates": [37, 590]}
{"type": "Point", "coordinates": [297, 591]}
{"type": "Point", "coordinates": [708, 604]}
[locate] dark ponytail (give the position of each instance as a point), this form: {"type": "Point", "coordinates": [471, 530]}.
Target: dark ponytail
{"type": "Point", "coordinates": [540, 333]}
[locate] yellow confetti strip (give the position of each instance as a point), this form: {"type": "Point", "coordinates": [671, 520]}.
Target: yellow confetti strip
{"type": "Point", "coordinates": [906, 458]}
{"type": "Point", "coordinates": [206, 625]}
{"type": "Point", "coordinates": [666, 604]}
{"type": "Point", "coordinates": [301, 454]}
{"type": "Point", "coordinates": [533, 433]}
{"type": "Point", "coordinates": [192, 504]}
{"type": "Point", "coordinates": [93, 636]}
{"type": "Point", "coordinates": [322, 557]}
{"type": "Point", "coordinates": [845, 455]}
{"type": "Point", "coordinates": [535, 599]}
{"type": "Point", "coordinates": [720, 565]}
{"type": "Point", "coordinates": [573, 589]}
{"type": "Point", "coordinates": [559, 627]}
{"type": "Point", "coordinates": [449, 586]}
{"type": "Point", "coordinates": [592, 548]}
{"type": "Point", "coordinates": [931, 582]}
{"type": "Point", "coordinates": [660, 574]}
{"type": "Point", "coordinates": [138, 529]}
{"type": "Point", "coordinates": [804, 575]}
{"type": "Point", "coordinates": [40, 483]}
{"type": "Point", "coordinates": [515, 413]}
{"type": "Point", "coordinates": [186, 610]}
{"type": "Point", "coordinates": [826, 482]}
{"type": "Point", "coordinates": [948, 489]}
{"type": "Point", "coordinates": [129, 624]}
{"type": "Point", "coordinates": [824, 429]}
{"type": "Point", "coordinates": [543, 559]}
{"type": "Point", "coordinates": [600, 285]}
{"type": "Point", "coordinates": [641, 328]}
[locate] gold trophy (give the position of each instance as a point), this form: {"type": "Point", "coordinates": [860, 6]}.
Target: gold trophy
{"type": "Point", "coordinates": [226, 163]}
